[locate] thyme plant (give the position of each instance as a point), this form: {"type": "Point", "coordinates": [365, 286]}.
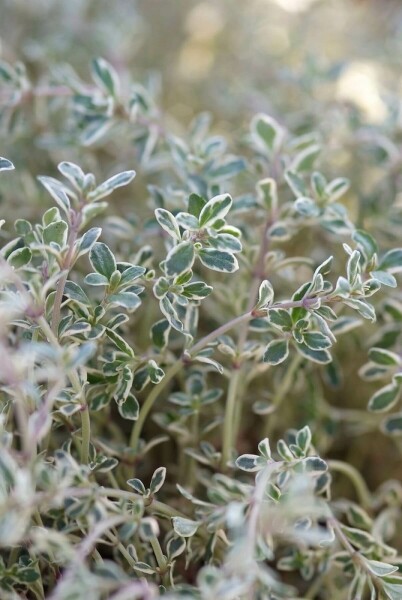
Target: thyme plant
{"type": "Point", "coordinates": [165, 424]}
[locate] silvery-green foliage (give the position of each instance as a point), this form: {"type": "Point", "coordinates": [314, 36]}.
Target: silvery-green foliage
{"type": "Point", "coordinates": [166, 371]}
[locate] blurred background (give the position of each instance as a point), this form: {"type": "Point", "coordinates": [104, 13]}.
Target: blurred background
{"type": "Point", "coordinates": [327, 66]}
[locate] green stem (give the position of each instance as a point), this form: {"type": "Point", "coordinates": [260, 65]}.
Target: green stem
{"type": "Point", "coordinates": [77, 386]}
{"type": "Point", "coordinates": [149, 402]}
{"type": "Point", "coordinates": [173, 370]}
{"type": "Point", "coordinates": [355, 555]}
{"type": "Point", "coordinates": [66, 266]}
{"type": "Point", "coordinates": [362, 491]}
{"type": "Point", "coordinates": [37, 586]}
{"type": "Point", "coordinates": [86, 434]}
{"type": "Point", "coordinates": [191, 462]}
{"type": "Point", "coordinates": [221, 330]}
{"type": "Point", "coordinates": [228, 424]}
{"type": "Point", "coordinates": [164, 509]}
{"type": "Point", "coordinates": [154, 507]}
{"type": "Point", "coordinates": [160, 559]}
{"type": "Point", "coordinates": [281, 392]}
{"type": "Point", "coordinates": [121, 548]}
{"type": "Point", "coordinates": [13, 557]}
{"type": "Point", "coordinates": [61, 284]}
{"type": "Point", "coordinates": [314, 588]}
{"type": "Point", "coordinates": [85, 418]}
{"type": "Point", "coordinates": [176, 366]}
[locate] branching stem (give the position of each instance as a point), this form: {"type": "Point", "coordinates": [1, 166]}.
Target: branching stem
{"type": "Point", "coordinates": [362, 491]}
{"type": "Point", "coordinates": [178, 364]}
{"type": "Point", "coordinates": [67, 264]}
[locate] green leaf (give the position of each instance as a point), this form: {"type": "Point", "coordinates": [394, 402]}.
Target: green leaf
{"type": "Point", "coordinates": [57, 191]}
{"type": "Point", "coordinates": [75, 292]}
{"type": "Point", "coordinates": [380, 356]}
{"type": "Point", "coordinates": [218, 260]}
{"type": "Point", "coordinates": [20, 257]}
{"type": "Point", "coordinates": [180, 259]}
{"type": "Point", "coordinates": [372, 372]}
{"type": "Point", "coordinates": [279, 231]}
{"type": "Point", "coordinates": [226, 242]}
{"type": "Point", "coordinates": [96, 279]}
{"type": "Point", "coordinates": [384, 399]}
{"type": "Point", "coordinates": [314, 464]}
{"type": "Point", "coordinates": [129, 274]}
{"type": "Point", "coordinates": [280, 318]}
{"type": "Point", "coordinates": [384, 278]}
{"type": "Point", "coordinates": [319, 356]}
{"type": "Point", "coordinates": [95, 130]}
{"type": "Point", "coordinates": [318, 183]}
{"type": "Point", "coordinates": [157, 480]}
{"type": "Point", "coordinates": [367, 242]}
{"type": "Point", "coordinates": [119, 342]}
{"type": "Point", "coordinates": [360, 539]}
{"type": "Point", "coordinates": [393, 424]}
{"type": "Point", "coordinates": [195, 205]}
{"type": "Point", "coordinates": [265, 295]}
{"type": "Point", "coordinates": [296, 183]}
{"type": "Point", "coordinates": [56, 232]}
{"type": "Point", "coordinates": [197, 290]}
{"type": "Point", "coordinates": [128, 300]}
{"type": "Point", "coordinates": [102, 260]}
{"type": "Point", "coordinates": [267, 194]}
{"type": "Point", "coordinates": [358, 517]}
{"type": "Point", "coordinates": [156, 374]}
{"type": "Point", "coordinates": [304, 161]}
{"type": "Point", "coordinates": [105, 76]}
{"type": "Point", "coordinates": [88, 240]}
{"type": "Point", "coordinates": [276, 352]}
{"type": "Point", "coordinates": [184, 527]}
{"type": "Point", "coordinates": [316, 340]}
{"type": "Point", "coordinates": [264, 449]}
{"type": "Point", "coordinates": [144, 568]}
{"type": "Point", "coordinates": [175, 547]}
{"type": "Point", "coordinates": [392, 261]}
{"type": "Point", "coordinates": [353, 267]}
{"type": "Point", "coordinates": [306, 207]}
{"type": "Point", "coordinates": [137, 485]}
{"type": "Point", "coordinates": [267, 132]}
{"type": "Point", "coordinates": [27, 575]}
{"type": "Point", "coordinates": [129, 409]}
{"type": "Point", "coordinates": [23, 227]}
{"type": "Point", "coordinates": [380, 569]}
{"type": "Point", "coordinates": [167, 221]}
{"type": "Point", "coordinates": [337, 188]}
{"type": "Point", "coordinates": [73, 173]}
{"type": "Point", "coordinates": [363, 308]}
{"type": "Point", "coordinates": [170, 313]}
{"type": "Point", "coordinates": [392, 586]}
{"type": "Point", "coordinates": [160, 333]}
{"type": "Point", "coordinates": [108, 186]}
{"type": "Point", "coordinates": [90, 211]}
{"type": "Point", "coordinates": [6, 165]}
{"type": "Point", "coordinates": [284, 451]}
{"type": "Point", "coordinates": [187, 221]}
{"type": "Point", "coordinates": [303, 438]}
{"type": "Point", "coordinates": [250, 462]}
{"type": "Point", "coordinates": [214, 209]}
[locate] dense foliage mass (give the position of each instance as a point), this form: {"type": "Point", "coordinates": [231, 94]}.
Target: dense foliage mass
{"type": "Point", "coordinates": [186, 361]}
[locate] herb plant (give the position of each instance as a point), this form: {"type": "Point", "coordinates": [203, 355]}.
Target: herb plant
{"type": "Point", "coordinates": [166, 370]}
